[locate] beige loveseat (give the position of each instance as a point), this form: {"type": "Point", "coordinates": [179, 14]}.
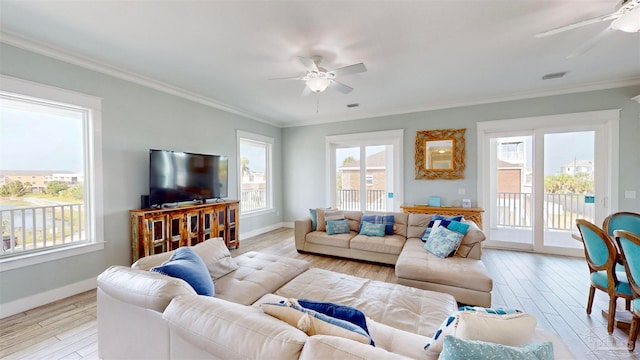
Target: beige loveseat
{"type": "Point", "coordinates": [463, 275]}
{"type": "Point", "coordinates": [145, 315]}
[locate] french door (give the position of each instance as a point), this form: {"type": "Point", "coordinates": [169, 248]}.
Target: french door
{"type": "Point", "coordinates": [535, 182]}
{"type": "Point", "coordinates": [365, 171]}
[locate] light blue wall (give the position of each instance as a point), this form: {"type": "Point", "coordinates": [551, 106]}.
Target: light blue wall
{"type": "Point", "coordinates": [304, 160]}
{"type": "Point", "coordinates": [134, 119]}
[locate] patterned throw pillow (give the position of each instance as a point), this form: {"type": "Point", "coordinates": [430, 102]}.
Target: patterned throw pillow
{"type": "Point", "coordinates": [338, 227]}
{"type": "Point", "coordinates": [313, 322]}
{"type": "Point", "coordinates": [333, 214]}
{"type": "Point", "coordinates": [501, 326]}
{"type": "Point", "coordinates": [338, 311]}
{"type": "Point", "coordinates": [322, 220]}
{"type": "Point", "coordinates": [185, 264]}
{"type": "Point", "coordinates": [371, 229]}
{"type": "Point", "coordinates": [438, 220]}
{"type": "Point", "coordinates": [460, 349]}
{"type": "Point", "coordinates": [443, 242]}
{"type": "Point", "coordinates": [387, 220]}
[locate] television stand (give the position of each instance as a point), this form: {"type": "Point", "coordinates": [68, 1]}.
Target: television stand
{"type": "Point", "coordinates": [155, 231]}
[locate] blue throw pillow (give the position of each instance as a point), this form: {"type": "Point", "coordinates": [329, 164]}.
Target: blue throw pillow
{"type": "Point", "coordinates": [458, 349]}
{"type": "Point", "coordinates": [185, 264]}
{"type": "Point", "coordinates": [387, 220]}
{"type": "Point", "coordinates": [458, 227]}
{"type": "Point", "coordinates": [453, 225]}
{"type": "Point", "coordinates": [313, 213]}
{"type": "Point", "coordinates": [443, 242]}
{"type": "Point", "coordinates": [338, 227]}
{"type": "Point", "coordinates": [371, 229]}
{"type": "Point", "coordinates": [338, 311]}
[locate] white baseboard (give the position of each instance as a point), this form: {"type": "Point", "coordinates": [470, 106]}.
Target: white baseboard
{"type": "Point", "coordinates": [33, 301]}
{"type": "Point", "coordinates": [262, 230]}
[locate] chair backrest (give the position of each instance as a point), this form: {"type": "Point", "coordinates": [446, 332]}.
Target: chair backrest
{"type": "Point", "coordinates": [599, 249]}
{"type": "Point", "coordinates": [629, 245]}
{"type": "Point", "coordinates": [623, 220]}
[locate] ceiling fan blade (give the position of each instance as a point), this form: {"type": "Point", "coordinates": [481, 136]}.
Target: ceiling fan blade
{"type": "Point", "coordinates": [598, 19]}
{"type": "Point", "coordinates": [289, 78]}
{"type": "Point", "coordinates": [340, 87]}
{"type": "Point", "coordinates": [308, 63]}
{"type": "Point", "coordinates": [350, 69]}
{"type": "Point", "coordinates": [306, 91]}
{"type": "Point", "coordinates": [590, 44]}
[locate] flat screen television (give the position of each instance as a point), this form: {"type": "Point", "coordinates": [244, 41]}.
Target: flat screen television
{"type": "Point", "coordinates": [180, 176]}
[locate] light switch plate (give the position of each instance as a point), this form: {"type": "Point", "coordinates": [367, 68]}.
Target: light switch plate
{"type": "Point", "coordinates": [630, 194]}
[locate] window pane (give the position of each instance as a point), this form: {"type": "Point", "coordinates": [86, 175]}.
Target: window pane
{"type": "Point", "coordinates": [376, 168]}
{"type": "Point", "coordinates": [42, 157]}
{"type": "Point", "coordinates": [254, 156]}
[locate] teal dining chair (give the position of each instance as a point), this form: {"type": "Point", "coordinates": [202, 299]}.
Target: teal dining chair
{"type": "Point", "coordinates": [629, 245]}
{"type": "Point", "coordinates": [623, 220]}
{"type": "Point", "coordinates": [602, 255]}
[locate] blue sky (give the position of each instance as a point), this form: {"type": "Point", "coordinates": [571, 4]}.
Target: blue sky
{"type": "Point", "coordinates": [39, 141]}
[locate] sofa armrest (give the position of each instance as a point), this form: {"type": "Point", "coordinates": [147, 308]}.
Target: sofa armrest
{"type": "Point", "coordinates": [301, 229]}
{"type": "Point", "coordinates": [332, 347]}
{"type": "Point", "coordinates": [141, 288]}
{"type": "Point", "coordinates": [228, 330]}
{"type": "Point", "coordinates": [474, 237]}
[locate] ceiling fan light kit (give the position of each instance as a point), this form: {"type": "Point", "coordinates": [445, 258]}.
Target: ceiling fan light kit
{"type": "Point", "coordinates": [318, 79]}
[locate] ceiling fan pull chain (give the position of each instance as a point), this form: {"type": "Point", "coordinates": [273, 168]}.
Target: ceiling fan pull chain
{"type": "Point", "coordinates": [317, 103]}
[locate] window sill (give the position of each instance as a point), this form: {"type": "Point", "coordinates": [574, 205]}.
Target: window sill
{"type": "Point", "coordinates": [20, 261]}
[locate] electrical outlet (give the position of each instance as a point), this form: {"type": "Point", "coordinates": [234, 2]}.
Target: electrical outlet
{"type": "Point", "coordinates": [462, 191]}
{"type": "Point", "coordinates": [630, 194]}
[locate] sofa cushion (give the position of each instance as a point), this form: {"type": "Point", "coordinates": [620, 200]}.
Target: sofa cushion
{"type": "Point", "coordinates": [415, 263]}
{"type": "Point", "coordinates": [185, 264]}
{"type": "Point", "coordinates": [232, 331]}
{"type": "Point", "coordinates": [313, 323]}
{"type": "Point", "coordinates": [213, 252]}
{"type": "Point", "coordinates": [338, 311]}
{"type": "Point", "coordinates": [331, 347]}
{"type": "Point", "coordinates": [387, 220]}
{"type": "Point", "coordinates": [442, 242]}
{"type": "Point", "coordinates": [514, 328]}
{"type": "Point", "coordinates": [257, 274]}
{"type": "Point", "coordinates": [337, 240]}
{"type": "Point", "coordinates": [459, 349]}
{"type": "Point", "coordinates": [371, 229]}
{"type": "Point", "coordinates": [338, 227]}
{"type": "Point", "coordinates": [142, 288]}
{"type": "Point", "coordinates": [388, 244]}
{"type": "Point", "coordinates": [402, 307]}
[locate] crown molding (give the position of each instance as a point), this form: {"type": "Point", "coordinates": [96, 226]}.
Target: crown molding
{"type": "Point", "coordinates": [482, 101]}
{"type": "Point", "coordinates": [48, 50]}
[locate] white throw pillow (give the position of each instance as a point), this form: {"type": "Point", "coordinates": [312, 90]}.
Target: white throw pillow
{"type": "Point", "coordinates": [513, 329]}
{"type": "Point", "coordinates": [216, 257]}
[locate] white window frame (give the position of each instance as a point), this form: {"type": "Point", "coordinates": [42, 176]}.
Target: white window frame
{"type": "Point", "coordinates": [268, 141]}
{"type": "Point", "coordinates": [93, 168]}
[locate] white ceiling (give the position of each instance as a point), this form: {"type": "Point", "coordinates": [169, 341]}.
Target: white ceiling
{"type": "Point", "coordinates": [419, 54]}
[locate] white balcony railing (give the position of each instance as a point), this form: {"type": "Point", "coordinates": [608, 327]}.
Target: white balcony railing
{"type": "Point", "coordinates": [349, 200]}
{"type": "Point", "coordinates": [253, 200]}
{"type": "Point", "coordinates": [560, 210]}
{"type": "Point", "coordinates": [36, 228]}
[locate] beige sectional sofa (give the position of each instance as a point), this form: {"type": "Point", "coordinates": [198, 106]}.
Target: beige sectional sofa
{"type": "Point", "coordinates": [146, 315]}
{"type": "Point", "coordinates": [463, 275]}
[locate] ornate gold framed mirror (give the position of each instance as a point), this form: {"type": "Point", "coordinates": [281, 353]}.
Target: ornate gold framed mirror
{"type": "Point", "coordinates": [440, 154]}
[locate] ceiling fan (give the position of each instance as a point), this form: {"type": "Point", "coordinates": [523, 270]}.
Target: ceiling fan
{"type": "Point", "coordinates": [626, 18]}
{"type": "Point", "coordinates": [318, 79]}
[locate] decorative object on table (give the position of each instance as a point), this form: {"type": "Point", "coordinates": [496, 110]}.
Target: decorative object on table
{"type": "Point", "coordinates": [440, 154]}
{"type": "Point", "coordinates": [434, 201]}
{"type": "Point", "coordinates": [466, 203]}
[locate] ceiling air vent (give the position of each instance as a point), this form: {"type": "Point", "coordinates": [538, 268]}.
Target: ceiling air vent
{"type": "Point", "coordinates": [554, 75]}
{"type": "Point", "coordinates": [353, 105]}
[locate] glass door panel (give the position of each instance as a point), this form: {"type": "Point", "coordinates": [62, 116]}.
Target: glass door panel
{"type": "Point", "coordinates": [376, 177]}
{"type": "Point", "coordinates": [348, 178]}
{"type": "Point", "coordinates": [569, 186]}
{"type": "Point", "coordinates": [511, 204]}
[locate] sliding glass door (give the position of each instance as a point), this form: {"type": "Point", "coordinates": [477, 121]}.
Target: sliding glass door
{"type": "Point", "coordinates": [535, 183]}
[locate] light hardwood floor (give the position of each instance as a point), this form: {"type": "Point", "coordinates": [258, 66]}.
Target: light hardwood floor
{"type": "Point", "coordinates": [553, 288]}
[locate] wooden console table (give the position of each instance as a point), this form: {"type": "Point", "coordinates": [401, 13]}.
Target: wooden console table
{"type": "Point", "coordinates": [155, 231]}
{"type": "Point", "coordinates": [473, 214]}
